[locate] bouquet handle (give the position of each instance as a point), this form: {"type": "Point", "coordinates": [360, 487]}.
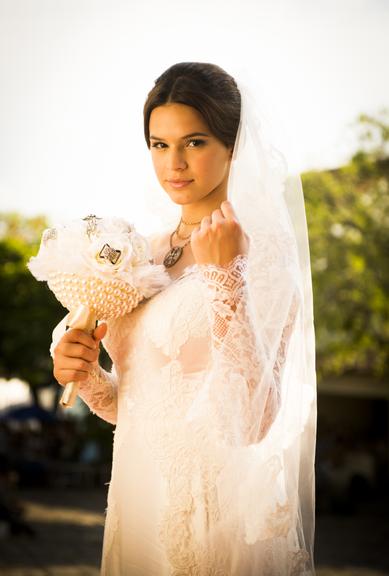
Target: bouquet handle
{"type": "Point", "coordinates": [82, 318]}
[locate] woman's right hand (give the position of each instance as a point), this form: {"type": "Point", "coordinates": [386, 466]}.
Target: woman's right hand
{"type": "Point", "coordinates": [76, 353]}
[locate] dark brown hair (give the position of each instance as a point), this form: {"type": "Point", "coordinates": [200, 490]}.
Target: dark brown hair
{"type": "Point", "coordinates": [205, 87]}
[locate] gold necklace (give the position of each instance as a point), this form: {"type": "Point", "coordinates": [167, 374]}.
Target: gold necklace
{"type": "Point", "coordinates": [188, 224]}
{"type": "Point", "coordinates": [175, 252]}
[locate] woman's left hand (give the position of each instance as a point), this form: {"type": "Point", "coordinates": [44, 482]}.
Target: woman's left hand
{"type": "Point", "coordinates": [220, 237]}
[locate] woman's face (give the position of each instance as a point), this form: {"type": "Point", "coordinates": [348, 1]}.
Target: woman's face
{"type": "Point", "coordinates": [189, 161]}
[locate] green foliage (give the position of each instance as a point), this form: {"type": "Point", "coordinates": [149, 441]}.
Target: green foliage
{"type": "Point", "coordinates": [28, 309]}
{"type": "Point", "coordinates": [348, 221]}
{"type": "Point", "coordinates": [373, 135]}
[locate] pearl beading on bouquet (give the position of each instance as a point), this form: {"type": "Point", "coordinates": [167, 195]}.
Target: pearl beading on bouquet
{"type": "Point", "coordinates": [107, 298]}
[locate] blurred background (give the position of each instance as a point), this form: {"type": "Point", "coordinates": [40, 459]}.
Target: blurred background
{"type": "Point", "coordinates": [74, 75]}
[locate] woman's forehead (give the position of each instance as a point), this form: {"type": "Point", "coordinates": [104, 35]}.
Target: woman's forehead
{"type": "Point", "coordinates": [175, 120]}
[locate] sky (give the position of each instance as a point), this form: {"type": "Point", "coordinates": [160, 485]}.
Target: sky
{"type": "Point", "coordinates": [74, 75]}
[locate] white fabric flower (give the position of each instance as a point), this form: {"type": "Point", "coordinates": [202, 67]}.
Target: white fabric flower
{"type": "Point", "coordinates": [105, 248]}
{"type": "Point", "coordinates": [141, 250]}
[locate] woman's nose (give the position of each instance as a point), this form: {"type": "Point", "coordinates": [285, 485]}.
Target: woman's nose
{"type": "Point", "coordinates": [176, 160]}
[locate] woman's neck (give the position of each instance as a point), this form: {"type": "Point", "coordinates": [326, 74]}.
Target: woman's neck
{"type": "Point", "coordinates": [194, 213]}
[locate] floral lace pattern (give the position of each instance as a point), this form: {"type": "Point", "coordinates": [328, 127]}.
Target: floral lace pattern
{"type": "Point", "coordinates": [100, 393]}
{"type": "Point", "coordinates": [197, 332]}
{"type": "Point", "coordinates": [236, 349]}
{"type": "Point", "coordinates": [225, 286]}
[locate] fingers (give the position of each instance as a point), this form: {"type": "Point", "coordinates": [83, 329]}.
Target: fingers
{"type": "Point", "coordinates": [70, 369]}
{"type": "Point", "coordinates": [217, 218]}
{"type": "Point", "coordinates": [76, 353]}
{"type": "Point", "coordinates": [225, 213]}
{"type": "Point", "coordinates": [77, 365]}
{"type": "Point", "coordinates": [80, 337]}
{"type": "Point", "coordinates": [204, 225]}
{"type": "Point", "coordinates": [205, 222]}
{"type": "Point", "coordinates": [228, 210]}
{"type": "Point", "coordinates": [213, 220]}
{"type": "Point", "coordinates": [100, 332]}
{"type": "Point", "coordinates": [79, 351]}
{"type": "Point", "coordinates": [63, 377]}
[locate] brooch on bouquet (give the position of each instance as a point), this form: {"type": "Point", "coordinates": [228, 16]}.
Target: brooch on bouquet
{"type": "Point", "coordinates": [99, 269]}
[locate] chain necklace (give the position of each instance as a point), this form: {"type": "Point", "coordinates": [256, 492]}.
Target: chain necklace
{"type": "Point", "coordinates": [175, 252]}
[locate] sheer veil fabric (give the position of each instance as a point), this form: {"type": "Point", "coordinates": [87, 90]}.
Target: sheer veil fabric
{"type": "Point", "coordinates": [262, 421]}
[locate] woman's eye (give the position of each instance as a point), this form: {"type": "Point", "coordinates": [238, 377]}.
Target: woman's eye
{"type": "Point", "coordinates": [195, 142]}
{"type": "Point", "coordinates": [158, 145]}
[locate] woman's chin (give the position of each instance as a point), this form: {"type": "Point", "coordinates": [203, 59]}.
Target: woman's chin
{"type": "Point", "coordinates": [181, 198]}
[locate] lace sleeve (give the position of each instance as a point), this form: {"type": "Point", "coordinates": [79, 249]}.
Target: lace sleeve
{"type": "Point", "coordinates": [99, 391]}
{"type": "Point", "coordinates": [235, 346]}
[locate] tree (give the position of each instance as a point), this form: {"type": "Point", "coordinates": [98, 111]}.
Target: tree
{"type": "Point", "coordinates": [348, 222]}
{"type": "Point", "coordinates": [28, 309]}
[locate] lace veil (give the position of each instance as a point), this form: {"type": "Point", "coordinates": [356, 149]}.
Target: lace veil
{"type": "Point", "coordinates": [270, 206]}
{"type": "Point", "coordinates": [266, 435]}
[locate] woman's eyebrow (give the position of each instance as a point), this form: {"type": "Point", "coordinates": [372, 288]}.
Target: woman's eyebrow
{"type": "Point", "coordinates": [183, 137]}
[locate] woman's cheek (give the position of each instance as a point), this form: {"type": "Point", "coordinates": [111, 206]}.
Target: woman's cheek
{"type": "Point", "coordinates": [203, 169]}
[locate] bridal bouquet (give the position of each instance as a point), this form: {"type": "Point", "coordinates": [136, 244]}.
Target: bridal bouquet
{"type": "Point", "coordinates": [98, 268]}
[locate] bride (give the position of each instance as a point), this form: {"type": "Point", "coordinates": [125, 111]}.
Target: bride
{"type": "Point", "coordinates": [212, 389]}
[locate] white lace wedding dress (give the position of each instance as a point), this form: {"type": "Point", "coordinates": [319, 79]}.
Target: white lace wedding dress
{"type": "Point", "coordinates": [165, 515]}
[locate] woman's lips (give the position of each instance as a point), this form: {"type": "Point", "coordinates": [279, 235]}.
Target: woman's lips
{"type": "Point", "coordinates": [179, 183]}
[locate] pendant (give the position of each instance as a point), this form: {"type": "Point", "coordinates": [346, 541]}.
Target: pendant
{"type": "Point", "coordinates": [173, 256]}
